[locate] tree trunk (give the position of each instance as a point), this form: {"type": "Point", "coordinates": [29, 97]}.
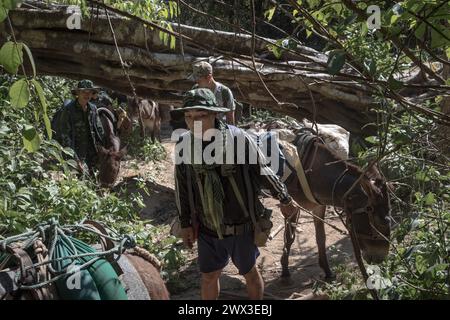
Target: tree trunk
{"type": "Point", "coordinates": [160, 73]}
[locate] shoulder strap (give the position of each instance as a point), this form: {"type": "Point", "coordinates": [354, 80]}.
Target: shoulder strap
{"type": "Point", "coordinates": [248, 185]}
{"type": "Point", "coordinates": [239, 198]}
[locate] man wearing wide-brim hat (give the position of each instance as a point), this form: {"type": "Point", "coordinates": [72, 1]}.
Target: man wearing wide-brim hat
{"type": "Point", "coordinates": [77, 125]}
{"type": "Point", "coordinates": [218, 202]}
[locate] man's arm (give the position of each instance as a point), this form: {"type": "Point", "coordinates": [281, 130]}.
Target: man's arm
{"type": "Point", "coordinates": [288, 207]}
{"type": "Point", "coordinates": [269, 178]}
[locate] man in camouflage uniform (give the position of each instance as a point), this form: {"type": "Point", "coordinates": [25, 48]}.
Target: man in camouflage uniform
{"type": "Point", "coordinates": [203, 75]}
{"type": "Point", "coordinates": [80, 127]}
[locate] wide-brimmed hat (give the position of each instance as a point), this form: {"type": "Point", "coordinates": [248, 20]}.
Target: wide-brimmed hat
{"type": "Point", "coordinates": [85, 85]}
{"type": "Point", "coordinates": [200, 69]}
{"type": "Point", "coordinates": [202, 99]}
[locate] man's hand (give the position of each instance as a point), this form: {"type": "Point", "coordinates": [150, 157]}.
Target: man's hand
{"type": "Point", "coordinates": [289, 209]}
{"type": "Point", "coordinates": [188, 236]}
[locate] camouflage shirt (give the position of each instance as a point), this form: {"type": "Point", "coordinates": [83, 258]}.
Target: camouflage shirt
{"type": "Point", "coordinates": [82, 131]}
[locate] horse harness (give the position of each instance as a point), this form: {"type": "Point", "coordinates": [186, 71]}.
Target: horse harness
{"type": "Point", "coordinates": [368, 209]}
{"type": "Point", "coordinates": [304, 142]}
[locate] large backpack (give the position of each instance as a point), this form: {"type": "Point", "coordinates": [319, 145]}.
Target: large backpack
{"type": "Point", "coordinates": [264, 141]}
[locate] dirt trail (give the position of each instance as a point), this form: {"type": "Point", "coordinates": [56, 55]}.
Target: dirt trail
{"type": "Point", "coordinates": [161, 208]}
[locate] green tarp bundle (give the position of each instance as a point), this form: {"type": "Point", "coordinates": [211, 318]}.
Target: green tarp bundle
{"type": "Point", "coordinates": [97, 282]}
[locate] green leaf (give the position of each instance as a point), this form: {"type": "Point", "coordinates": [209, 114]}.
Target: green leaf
{"type": "Point", "coordinates": [394, 18]}
{"type": "Point", "coordinates": [31, 139]}
{"type": "Point", "coordinates": [19, 93]}
{"type": "Point", "coordinates": [429, 199]}
{"type": "Point", "coordinates": [313, 3]}
{"type": "Point", "coordinates": [43, 101]}
{"type": "Point", "coordinates": [11, 56]}
{"type": "Point", "coordinates": [422, 176]}
{"type": "Point", "coordinates": [3, 14]}
{"type": "Point", "coordinates": [447, 51]}
{"type": "Point", "coordinates": [10, 4]}
{"type": "Point", "coordinates": [420, 31]}
{"type": "Point", "coordinates": [277, 51]}
{"type": "Point", "coordinates": [372, 139]}
{"type": "Point", "coordinates": [364, 29]}
{"type": "Point", "coordinates": [394, 84]}
{"type": "Point", "coordinates": [30, 57]}
{"type": "Point", "coordinates": [171, 11]}
{"type": "Point", "coordinates": [336, 61]}
{"type": "Point", "coordinates": [438, 39]}
{"type": "Point", "coordinates": [308, 33]}
{"type": "Point", "coordinates": [269, 13]}
{"type": "Point", "coordinates": [173, 42]}
{"type": "Point", "coordinates": [371, 66]}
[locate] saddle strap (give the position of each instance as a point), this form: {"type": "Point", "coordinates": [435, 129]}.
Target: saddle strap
{"type": "Point", "coordinates": [303, 181]}
{"type": "Point", "coordinates": [303, 143]}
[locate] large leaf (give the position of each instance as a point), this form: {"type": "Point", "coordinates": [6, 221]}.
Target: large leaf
{"type": "Point", "coordinates": [30, 57]}
{"type": "Point", "coordinates": [43, 101]}
{"type": "Point", "coordinates": [11, 56]}
{"type": "Point", "coordinates": [439, 39]}
{"type": "Point", "coordinates": [420, 31]}
{"type": "Point", "coordinates": [336, 61]}
{"type": "Point", "coordinates": [269, 13]}
{"type": "Point", "coordinates": [19, 93]}
{"type": "Point", "coordinates": [31, 139]}
{"type": "Point", "coordinates": [9, 4]}
{"type": "Point", "coordinates": [3, 14]}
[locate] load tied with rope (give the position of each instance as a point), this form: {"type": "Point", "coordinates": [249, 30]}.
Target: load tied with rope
{"type": "Point", "coordinates": [51, 262]}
